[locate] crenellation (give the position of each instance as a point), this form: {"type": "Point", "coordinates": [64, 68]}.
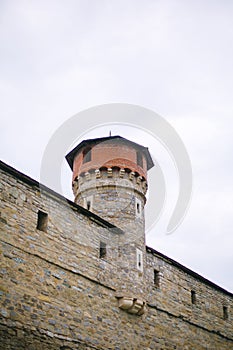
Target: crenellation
{"type": "Point", "coordinates": [87, 176]}
{"type": "Point", "coordinates": [97, 173]}
{"type": "Point", "coordinates": [102, 178]}
{"type": "Point", "coordinates": [109, 172]}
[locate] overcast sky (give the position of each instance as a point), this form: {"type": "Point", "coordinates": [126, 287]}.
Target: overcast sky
{"type": "Point", "coordinates": [174, 57]}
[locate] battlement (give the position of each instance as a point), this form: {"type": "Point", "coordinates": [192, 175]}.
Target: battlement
{"type": "Point", "coordinates": [110, 177]}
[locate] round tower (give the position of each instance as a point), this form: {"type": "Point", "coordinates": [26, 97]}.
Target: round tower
{"type": "Point", "coordinates": [110, 179]}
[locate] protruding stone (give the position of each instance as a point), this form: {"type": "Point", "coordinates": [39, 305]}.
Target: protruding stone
{"type": "Point", "coordinates": [139, 179]}
{"type": "Point", "coordinates": [132, 175]}
{"type": "Point", "coordinates": [144, 187]}
{"type": "Point", "coordinates": [75, 185]}
{"type": "Point", "coordinates": [87, 176]}
{"type": "Point", "coordinates": [97, 173]}
{"type": "Point", "coordinates": [122, 173]}
{"type": "Point", "coordinates": [109, 172]}
{"type": "Point", "coordinates": [125, 303]}
{"type": "Point", "coordinates": [132, 305]}
{"type": "Point", "coordinates": [137, 306]}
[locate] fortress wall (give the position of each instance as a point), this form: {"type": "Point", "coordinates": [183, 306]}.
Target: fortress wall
{"type": "Point", "coordinates": [56, 293]}
{"type": "Point", "coordinates": [173, 290]}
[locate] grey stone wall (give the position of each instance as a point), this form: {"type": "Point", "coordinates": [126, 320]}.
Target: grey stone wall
{"type": "Point", "coordinates": [116, 195]}
{"type": "Point", "coordinates": [57, 293]}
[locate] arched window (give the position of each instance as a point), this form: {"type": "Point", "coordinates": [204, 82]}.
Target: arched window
{"type": "Point", "coordinates": [139, 159]}
{"type": "Point", "coordinates": [87, 155]}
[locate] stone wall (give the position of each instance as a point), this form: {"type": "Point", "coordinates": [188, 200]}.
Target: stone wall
{"type": "Point", "coordinates": [185, 295]}
{"type": "Point", "coordinates": [57, 293]}
{"type": "Point", "coordinates": [114, 195]}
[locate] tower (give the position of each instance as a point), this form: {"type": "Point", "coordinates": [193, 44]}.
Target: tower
{"type": "Point", "coordinates": [110, 180]}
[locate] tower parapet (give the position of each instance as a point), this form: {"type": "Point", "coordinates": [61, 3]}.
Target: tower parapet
{"type": "Point", "coordinates": [110, 179]}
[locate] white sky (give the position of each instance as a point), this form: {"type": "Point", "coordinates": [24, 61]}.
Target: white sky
{"type": "Point", "coordinates": [58, 58]}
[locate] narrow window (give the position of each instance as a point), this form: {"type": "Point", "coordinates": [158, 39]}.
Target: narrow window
{"type": "Point", "coordinates": [139, 159]}
{"type": "Point", "coordinates": [87, 155]}
{"type": "Point", "coordinates": [225, 312]}
{"type": "Point", "coordinates": [103, 250]}
{"type": "Point", "coordinates": [138, 208]}
{"type": "Point", "coordinates": [139, 260]}
{"type": "Point", "coordinates": [88, 203]}
{"type": "Point", "coordinates": [193, 297]}
{"type": "Point", "coordinates": [42, 221]}
{"type": "Point", "coordinates": [156, 278]}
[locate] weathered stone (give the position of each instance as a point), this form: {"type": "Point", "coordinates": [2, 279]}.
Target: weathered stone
{"type": "Point", "coordinates": [48, 303]}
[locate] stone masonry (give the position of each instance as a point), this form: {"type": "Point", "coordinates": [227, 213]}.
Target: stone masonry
{"type": "Point", "coordinates": [72, 279]}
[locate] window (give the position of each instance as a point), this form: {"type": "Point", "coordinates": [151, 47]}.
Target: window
{"type": "Point", "coordinates": [88, 203]}
{"type": "Point", "coordinates": [225, 313]}
{"type": "Point", "coordinates": [42, 221]}
{"type": "Point", "coordinates": [156, 278]}
{"type": "Point", "coordinates": [103, 250]}
{"type": "Point", "coordinates": [193, 297]}
{"type": "Point", "coordinates": [139, 159]}
{"type": "Point", "coordinates": [138, 208]}
{"type": "Point", "coordinates": [87, 155]}
{"type": "Point", "coordinates": [139, 260]}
